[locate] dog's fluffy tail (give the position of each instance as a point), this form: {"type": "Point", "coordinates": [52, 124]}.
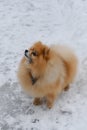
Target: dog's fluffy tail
{"type": "Point", "coordinates": [68, 55]}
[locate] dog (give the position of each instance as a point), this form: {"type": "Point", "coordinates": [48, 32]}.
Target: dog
{"type": "Point", "coordinates": [47, 71]}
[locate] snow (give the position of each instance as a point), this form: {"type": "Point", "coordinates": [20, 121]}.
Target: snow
{"type": "Point", "coordinates": [23, 22]}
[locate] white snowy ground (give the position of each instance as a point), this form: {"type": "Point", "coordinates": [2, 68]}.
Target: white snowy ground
{"type": "Point", "coordinates": [52, 21]}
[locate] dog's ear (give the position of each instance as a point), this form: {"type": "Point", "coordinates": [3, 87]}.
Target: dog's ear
{"type": "Point", "coordinates": [46, 51]}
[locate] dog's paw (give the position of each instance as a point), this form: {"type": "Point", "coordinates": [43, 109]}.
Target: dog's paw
{"type": "Point", "coordinates": [37, 101]}
{"type": "Point", "coordinates": [49, 105]}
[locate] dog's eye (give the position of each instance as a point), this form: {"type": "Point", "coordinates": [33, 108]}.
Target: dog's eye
{"type": "Point", "coordinates": [34, 53]}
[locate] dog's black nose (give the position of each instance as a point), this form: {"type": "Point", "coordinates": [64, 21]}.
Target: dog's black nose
{"type": "Point", "coordinates": [26, 51]}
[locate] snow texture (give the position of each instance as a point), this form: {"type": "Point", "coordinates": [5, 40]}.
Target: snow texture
{"type": "Point", "coordinates": [23, 22]}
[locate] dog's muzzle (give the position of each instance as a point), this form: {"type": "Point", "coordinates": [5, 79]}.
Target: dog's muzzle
{"type": "Point", "coordinates": [26, 53]}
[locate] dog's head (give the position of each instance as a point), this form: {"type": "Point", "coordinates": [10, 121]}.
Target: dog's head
{"type": "Point", "coordinates": [37, 56]}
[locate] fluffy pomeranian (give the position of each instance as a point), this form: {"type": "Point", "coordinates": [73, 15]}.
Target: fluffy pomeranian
{"type": "Point", "coordinates": [47, 71]}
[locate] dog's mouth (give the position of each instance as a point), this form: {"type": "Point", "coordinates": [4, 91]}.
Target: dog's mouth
{"type": "Point", "coordinates": [26, 53]}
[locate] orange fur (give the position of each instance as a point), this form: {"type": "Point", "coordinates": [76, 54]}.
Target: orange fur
{"type": "Point", "coordinates": [55, 68]}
